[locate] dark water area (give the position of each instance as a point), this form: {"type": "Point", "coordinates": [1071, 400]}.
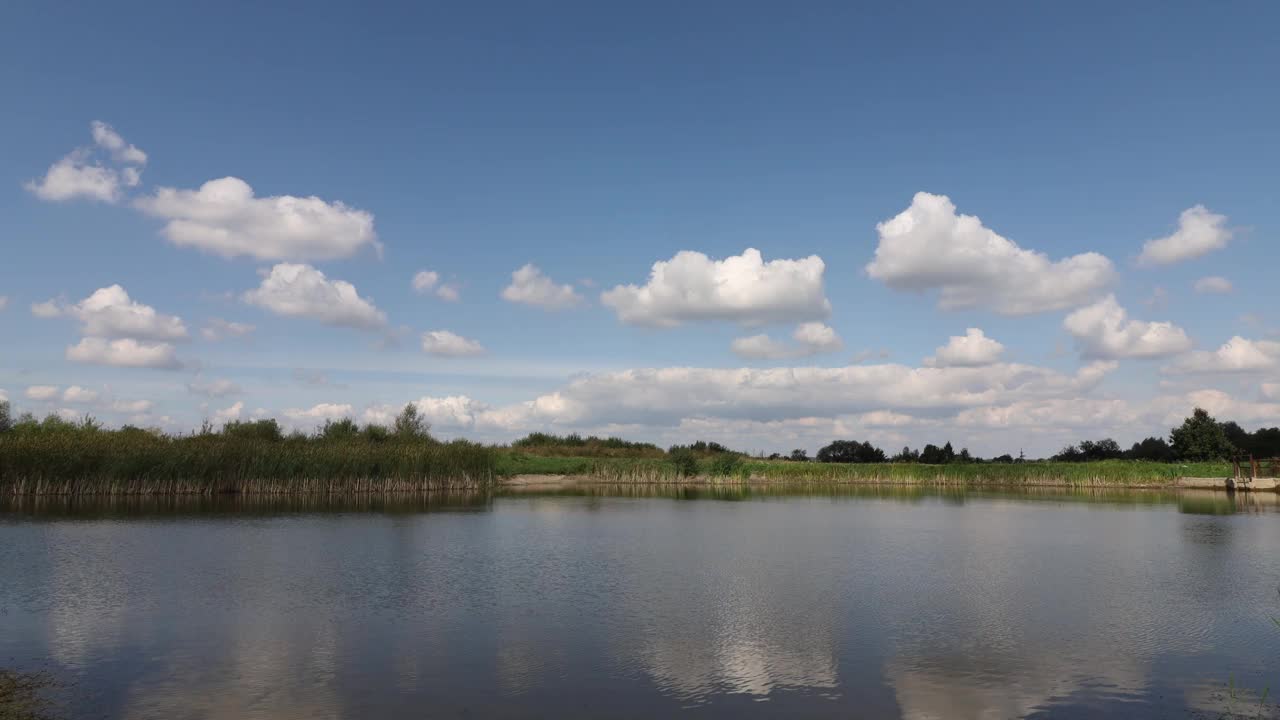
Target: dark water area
{"type": "Point", "coordinates": [635, 603]}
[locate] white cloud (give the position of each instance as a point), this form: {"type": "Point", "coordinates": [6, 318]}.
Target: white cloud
{"type": "Point", "coordinates": [929, 247]}
{"type": "Point", "coordinates": [1199, 232]}
{"type": "Point", "coordinates": [811, 338]}
{"type": "Point", "coordinates": [448, 292]}
{"type": "Point", "coordinates": [41, 392]}
{"type": "Point", "coordinates": [110, 313]}
{"type": "Point", "coordinates": [443, 342]}
{"type": "Point", "coordinates": [106, 137]}
{"type": "Point", "coordinates": [973, 349]}
{"type": "Point", "coordinates": [1056, 413]}
{"type": "Point", "coordinates": [77, 394]}
{"type": "Point", "coordinates": [80, 175]}
{"type": "Point", "coordinates": [4, 396]}
{"type": "Point", "coordinates": [424, 280]}
{"type": "Point", "coordinates": [1236, 355]}
{"type": "Point", "coordinates": [1104, 330]}
{"type": "Point", "coordinates": [219, 387]}
{"type": "Point", "coordinates": [77, 176]}
{"type": "Point", "coordinates": [125, 352]}
{"type": "Point", "coordinates": [666, 395]}
{"type": "Point", "coordinates": [745, 289]}
{"type": "Point", "coordinates": [531, 287]}
{"type": "Point", "coordinates": [224, 217]}
{"type": "Point", "coordinates": [1213, 285]}
{"type": "Point", "coordinates": [453, 412]}
{"type": "Point", "coordinates": [1271, 391]}
{"type": "Point", "coordinates": [47, 309]}
{"type": "Point", "coordinates": [303, 291]}
{"type": "Point", "coordinates": [219, 329]}
{"type": "Point", "coordinates": [133, 406]}
{"type": "Point", "coordinates": [322, 411]}
{"type": "Point", "coordinates": [228, 414]}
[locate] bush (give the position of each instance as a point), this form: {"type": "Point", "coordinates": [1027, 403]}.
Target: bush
{"type": "Point", "coordinates": [726, 465]}
{"type": "Point", "coordinates": [685, 462]}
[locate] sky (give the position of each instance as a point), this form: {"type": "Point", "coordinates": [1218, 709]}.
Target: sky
{"type": "Point", "coordinates": [1005, 225]}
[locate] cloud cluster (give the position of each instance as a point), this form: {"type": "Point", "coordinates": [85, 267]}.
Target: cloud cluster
{"type": "Point", "coordinates": [1104, 330]}
{"type": "Point", "coordinates": [448, 344]}
{"type": "Point", "coordinates": [1237, 355]}
{"type": "Point", "coordinates": [973, 349]}
{"type": "Point", "coordinates": [219, 387]}
{"type": "Point", "coordinates": [929, 247]}
{"type": "Point", "coordinates": [82, 174]}
{"type": "Point", "coordinates": [811, 338]}
{"type": "Point", "coordinates": [118, 330]}
{"type": "Point", "coordinates": [1199, 232]}
{"type": "Point", "coordinates": [744, 289]}
{"type": "Point", "coordinates": [531, 287]}
{"type": "Point", "coordinates": [224, 217]}
{"type": "Point", "coordinates": [294, 290]}
{"type": "Point", "coordinates": [319, 412]}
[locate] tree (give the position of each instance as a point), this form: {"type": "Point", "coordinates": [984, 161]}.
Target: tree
{"type": "Point", "coordinates": [344, 429]}
{"type": "Point", "coordinates": [1200, 438]}
{"type": "Point", "coordinates": [1153, 449]}
{"type": "Point", "coordinates": [851, 451]}
{"type": "Point", "coordinates": [932, 455]}
{"type": "Point", "coordinates": [6, 420]}
{"type": "Point", "coordinates": [799, 455]}
{"type": "Point", "coordinates": [410, 425]}
{"type": "Point", "coordinates": [906, 456]}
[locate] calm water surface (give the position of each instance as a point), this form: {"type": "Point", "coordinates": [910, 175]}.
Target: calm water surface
{"type": "Point", "coordinates": [868, 604]}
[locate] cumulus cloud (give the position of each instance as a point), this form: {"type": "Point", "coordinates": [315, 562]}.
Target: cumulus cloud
{"type": "Point", "coordinates": [666, 395]}
{"type": "Point", "coordinates": [745, 289]}
{"type": "Point", "coordinates": [973, 349]}
{"type": "Point", "coordinates": [41, 392]}
{"type": "Point", "coordinates": [810, 338]}
{"type": "Point", "coordinates": [1104, 330]}
{"type": "Point", "coordinates": [424, 280]}
{"type": "Point", "coordinates": [448, 292]}
{"type": "Point", "coordinates": [77, 394]}
{"type": "Point", "coordinates": [219, 329]}
{"type": "Point", "coordinates": [455, 412]}
{"type": "Point", "coordinates": [110, 313]}
{"type": "Point", "coordinates": [77, 176]}
{"type": "Point", "coordinates": [80, 174]}
{"type": "Point", "coordinates": [228, 414]}
{"type": "Point", "coordinates": [1213, 285]}
{"type": "Point", "coordinates": [106, 137]}
{"type": "Point", "coordinates": [125, 352]}
{"type": "Point", "coordinates": [219, 387]}
{"type": "Point", "coordinates": [1237, 355]}
{"type": "Point", "coordinates": [133, 406]}
{"type": "Point", "coordinates": [929, 247]}
{"type": "Point", "coordinates": [1199, 232]}
{"type": "Point", "coordinates": [224, 217]}
{"type": "Point", "coordinates": [319, 412]}
{"type": "Point", "coordinates": [295, 290]}
{"type": "Point", "coordinates": [446, 343]}
{"type": "Point", "coordinates": [531, 287]}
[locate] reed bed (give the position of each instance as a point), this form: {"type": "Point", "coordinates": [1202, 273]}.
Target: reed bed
{"type": "Point", "coordinates": [109, 463]}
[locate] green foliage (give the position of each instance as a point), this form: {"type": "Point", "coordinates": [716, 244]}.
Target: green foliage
{"type": "Point", "coordinates": [798, 455]}
{"type": "Point", "coordinates": [684, 461]}
{"type": "Point", "coordinates": [344, 429]}
{"type": "Point", "coordinates": [851, 451]}
{"type": "Point", "coordinates": [410, 425]}
{"type": "Point", "coordinates": [6, 418]}
{"type": "Point", "coordinates": [1090, 451]}
{"type": "Point", "coordinates": [263, 430]}
{"type": "Point", "coordinates": [1200, 438]}
{"type": "Point", "coordinates": [574, 445]}
{"type": "Point", "coordinates": [77, 459]}
{"type": "Point", "coordinates": [726, 465]}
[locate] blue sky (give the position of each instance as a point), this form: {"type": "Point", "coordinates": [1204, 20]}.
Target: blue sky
{"type": "Point", "coordinates": [595, 141]}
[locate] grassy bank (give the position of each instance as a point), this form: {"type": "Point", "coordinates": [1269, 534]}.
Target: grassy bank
{"type": "Point", "coordinates": [1110, 473]}
{"type": "Point", "coordinates": [124, 463]}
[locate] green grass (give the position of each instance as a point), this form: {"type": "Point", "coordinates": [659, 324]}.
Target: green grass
{"type": "Point", "coordinates": [100, 462]}
{"type": "Point", "coordinates": [1118, 473]}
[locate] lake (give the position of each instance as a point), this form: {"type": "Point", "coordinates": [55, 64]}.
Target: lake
{"type": "Point", "coordinates": [868, 603]}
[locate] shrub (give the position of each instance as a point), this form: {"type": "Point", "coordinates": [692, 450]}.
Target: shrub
{"type": "Point", "coordinates": [685, 462]}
